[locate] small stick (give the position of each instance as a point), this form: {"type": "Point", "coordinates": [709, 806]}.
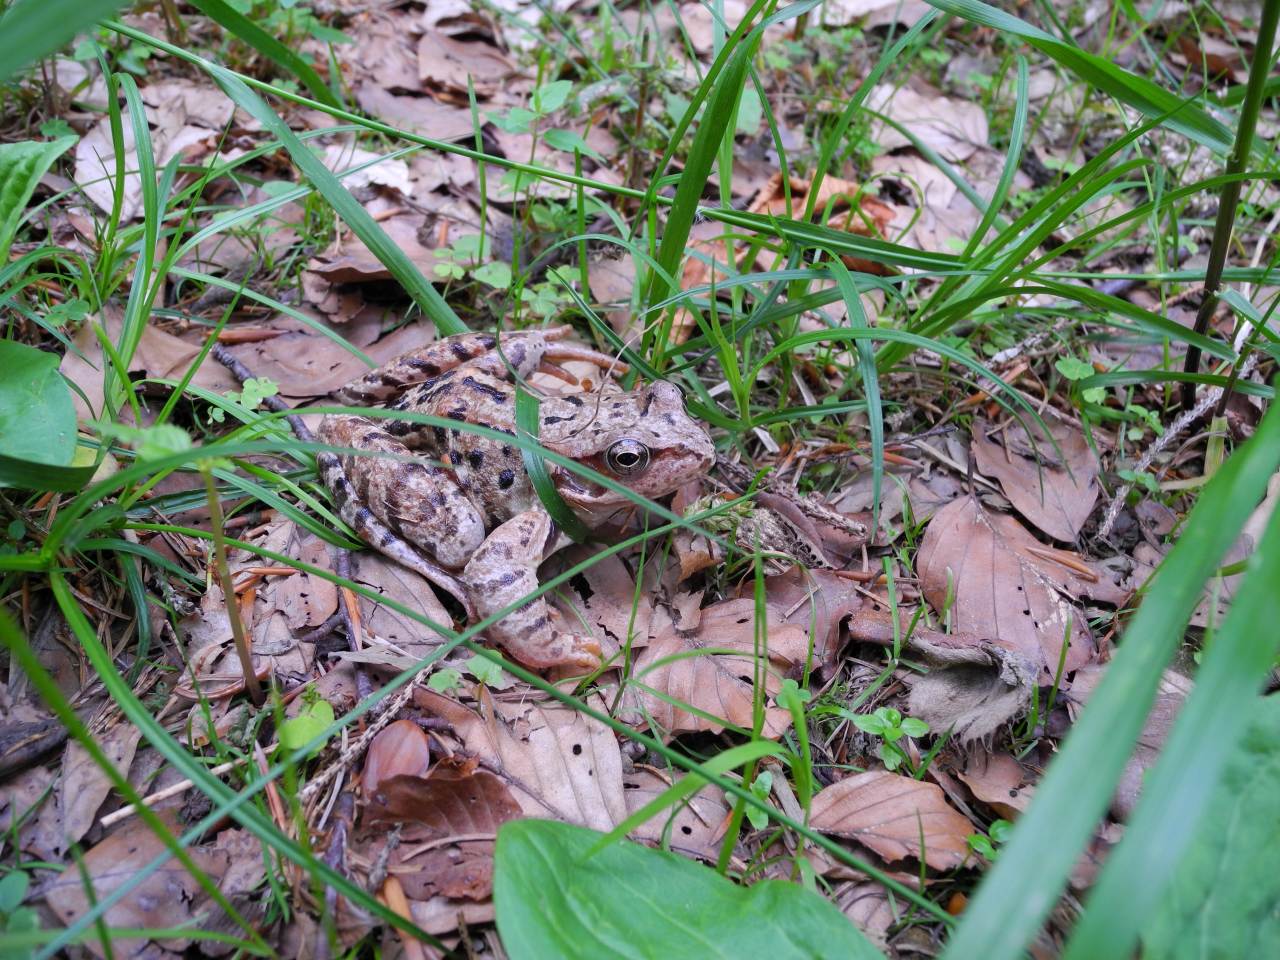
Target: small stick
{"type": "Point", "coordinates": [182, 786]}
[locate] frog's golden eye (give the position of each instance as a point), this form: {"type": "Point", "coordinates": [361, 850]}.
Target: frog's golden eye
{"type": "Point", "coordinates": [627, 457]}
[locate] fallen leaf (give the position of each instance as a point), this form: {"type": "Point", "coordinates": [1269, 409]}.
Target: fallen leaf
{"type": "Point", "coordinates": [169, 897]}
{"type": "Point", "coordinates": [1170, 695]}
{"type": "Point", "coordinates": [698, 23]}
{"type": "Point", "coordinates": [454, 799]}
{"type": "Point", "coordinates": [694, 827]}
{"type": "Point", "coordinates": [1054, 492]}
{"type": "Point", "coordinates": [557, 762]}
{"type": "Point", "coordinates": [999, 781]}
{"type": "Point", "coordinates": [305, 599]}
{"type": "Point", "coordinates": [714, 687]}
{"type": "Point", "coordinates": [400, 749]}
{"type": "Point", "coordinates": [85, 785]}
{"type": "Point", "coordinates": [159, 355]}
{"type": "Point", "coordinates": [446, 64]}
{"type": "Point", "coordinates": [817, 600]}
{"type": "Point", "coordinates": [953, 128]}
{"type": "Point", "coordinates": [889, 813]}
{"type": "Point", "coordinates": [381, 171]}
{"type": "Point", "coordinates": [996, 581]}
{"type": "Point", "coordinates": [867, 906]}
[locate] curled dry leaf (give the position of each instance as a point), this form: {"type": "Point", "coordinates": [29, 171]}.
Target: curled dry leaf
{"type": "Point", "coordinates": [713, 687]}
{"type": "Point", "coordinates": [455, 799]}
{"type": "Point", "coordinates": [169, 897]}
{"type": "Point", "coordinates": [868, 906]}
{"type": "Point", "coordinates": [399, 749]}
{"type": "Point", "coordinates": [1055, 493]}
{"type": "Point", "coordinates": [889, 813]}
{"type": "Point", "coordinates": [815, 599]}
{"type": "Point", "coordinates": [1002, 583]}
{"type": "Point", "coordinates": [973, 685]}
{"type": "Point", "coordinates": [558, 763]}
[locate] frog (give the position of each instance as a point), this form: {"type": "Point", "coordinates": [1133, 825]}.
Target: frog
{"type": "Point", "coordinates": [460, 508]}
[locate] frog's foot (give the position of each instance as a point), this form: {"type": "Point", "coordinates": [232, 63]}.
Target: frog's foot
{"type": "Point", "coordinates": [503, 572]}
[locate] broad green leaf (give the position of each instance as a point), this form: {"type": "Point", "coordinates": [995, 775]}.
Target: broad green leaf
{"type": "Point", "coordinates": [311, 721]}
{"type": "Point", "coordinates": [627, 901]}
{"type": "Point", "coordinates": [32, 29]}
{"type": "Point", "coordinates": [1143, 95]}
{"type": "Point", "coordinates": [22, 164]}
{"type": "Point", "coordinates": [37, 419]}
{"type": "Point", "coordinates": [1222, 899]}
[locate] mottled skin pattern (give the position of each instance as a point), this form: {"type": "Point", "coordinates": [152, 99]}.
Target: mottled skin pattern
{"type": "Point", "coordinates": [468, 504]}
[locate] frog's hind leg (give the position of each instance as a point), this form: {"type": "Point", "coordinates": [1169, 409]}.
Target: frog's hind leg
{"type": "Point", "coordinates": [502, 572]}
{"type": "Point", "coordinates": [401, 507]}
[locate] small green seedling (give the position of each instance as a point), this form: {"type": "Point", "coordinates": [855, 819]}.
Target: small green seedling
{"type": "Point", "coordinates": [891, 726]}
{"type": "Point", "coordinates": [988, 845]}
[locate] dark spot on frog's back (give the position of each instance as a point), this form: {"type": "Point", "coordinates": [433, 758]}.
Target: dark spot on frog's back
{"type": "Point", "coordinates": [440, 433]}
{"type": "Point", "coordinates": [493, 393]}
{"type": "Point", "coordinates": [460, 350]}
{"type": "Point", "coordinates": [505, 479]}
{"type": "Point", "coordinates": [455, 457]}
{"type": "Point", "coordinates": [476, 459]}
{"type": "Point", "coordinates": [572, 400]}
{"type": "Point", "coordinates": [428, 367]}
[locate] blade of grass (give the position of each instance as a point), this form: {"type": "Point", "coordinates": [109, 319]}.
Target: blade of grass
{"type": "Point", "coordinates": [1178, 791]}
{"type": "Point", "coordinates": [267, 45]}
{"type": "Point", "coordinates": [352, 213]}
{"type": "Point", "coordinates": [1143, 95]}
{"type": "Point", "coordinates": [32, 29]}
{"type": "Point", "coordinates": [1080, 781]}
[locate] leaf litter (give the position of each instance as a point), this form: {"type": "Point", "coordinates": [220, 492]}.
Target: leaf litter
{"type": "Point", "coordinates": [990, 621]}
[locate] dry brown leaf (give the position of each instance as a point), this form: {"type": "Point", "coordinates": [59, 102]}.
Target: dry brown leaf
{"type": "Point", "coordinates": [169, 897]}
{"type": "Point", "coordinates": [459, 871]}
{"type": "Point", "coordinates": [698, 23]}
{"type": "Point", "coordinates": [393, 629]}
{"type": "Point", "coordinates": [441, 121]}
{"type": "Point", "coordinates": [974, 685]}
{"type": "Point", "coordinates": [1054, 492]}
{"type": "Point", "coordinates": [159, 355]}
{"type": "Point", "coordinates": [953, 128]}
{"type": "Point", "coordinates": [557, 762]}
{"type": "Point", "coordinates": [999, 781]}
{"type": "Point", "coordinates": [446, 64]}
{"type": "Point", "coordinates": [85, 785]}
{"type": "Point", "coordinates": [684, 669]}
{"type": "Point", "coordinates": [1170, 696]}
{"type": "Point", "coordinates": [400, 749]}
{"type": "Point", "coordinates": [1000, 584]}
{"type": "Point", "coordinates": [888, 813]}
{"type": "Point", "coordinates": [306, 600]}
{"type": "Point", "coordinates": [454, 799]}
{"type": "Point", "coordinates": [695, 827]}
{"type": "Point", "coordinates": [819, 598]}
{"type": "Point", "coordinates": [306, 364]}
{"type": "Point", "coordinates": [867, 906]}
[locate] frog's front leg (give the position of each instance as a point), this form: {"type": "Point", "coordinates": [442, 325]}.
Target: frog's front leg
{"type": "Point", "coordinates": [504, 570]}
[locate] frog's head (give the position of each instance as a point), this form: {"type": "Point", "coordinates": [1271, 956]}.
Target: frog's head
{"type": "Point", "coordinates": [644, 440]}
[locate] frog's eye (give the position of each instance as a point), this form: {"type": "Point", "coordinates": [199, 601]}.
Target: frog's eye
{"type": "Point", "coordinates": [627, 457]}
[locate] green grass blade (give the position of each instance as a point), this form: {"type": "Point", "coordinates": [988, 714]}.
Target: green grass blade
{"type": "Point", "coordinates": [1178, 791]}
{"type": "Point", "coordinates": [344, 204]}
{"type": "Point", "coordinates": [267, 45]}
{"type": "Point", "coordinates": [32, 29]}
{"type": "Point", "coordinates": [720, 113]}
{"type": "Point", "coordinates": [1140, 93]}
{"type": "Point", "coordinates": [1079, 782]}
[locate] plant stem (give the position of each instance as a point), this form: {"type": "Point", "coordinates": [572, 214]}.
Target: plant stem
{"type": "Point", "coordinates": [229, 589]}
{"type": "Point", "coordinates": [1230, 198]}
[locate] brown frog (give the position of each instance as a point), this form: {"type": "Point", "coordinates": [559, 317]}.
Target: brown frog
{"type": "Point", "coordinates": [467, 516]}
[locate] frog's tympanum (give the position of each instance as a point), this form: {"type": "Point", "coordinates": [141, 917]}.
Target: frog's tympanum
{"type": "Point", "coordinates": [465, 500]}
